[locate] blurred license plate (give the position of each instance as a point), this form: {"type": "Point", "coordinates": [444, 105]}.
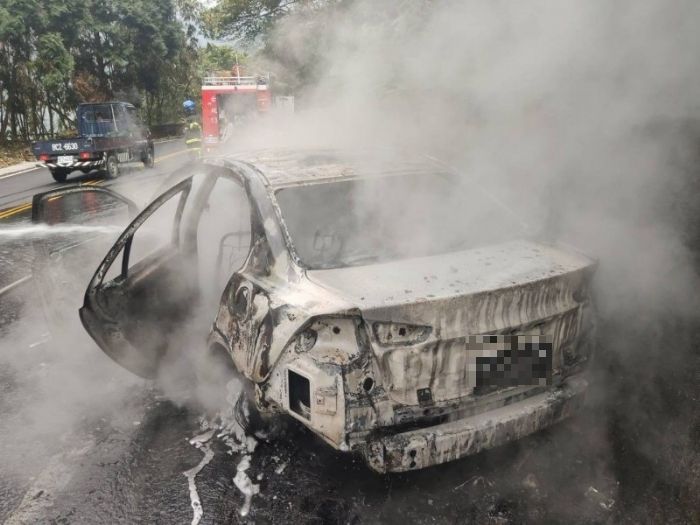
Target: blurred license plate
{"type": "Point", "coordinates": [64, 159]}
{"type": "Point", "coordinates": [511, 360]}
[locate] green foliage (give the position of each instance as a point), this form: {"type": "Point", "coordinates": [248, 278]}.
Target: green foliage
{"type": "Point", "coordinates": [249, 19]}
{"type": "Point", "coordinates": [267, 27]}
{"type": "Point", "coordinates": [53, 63]}
{"type": "Point", "coordinates": [56, 53]}
{"type": "Point", "coordinates": [216, 58]}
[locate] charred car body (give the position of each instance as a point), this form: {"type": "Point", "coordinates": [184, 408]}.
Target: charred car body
{"type": "Point", "coordinates": [366, 300]}
{"type": "Point", "coordinates": [109, 133]}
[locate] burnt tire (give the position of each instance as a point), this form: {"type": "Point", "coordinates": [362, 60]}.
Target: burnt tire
{"type": "Point", "coordinates": [216, 371]}
{"type": "Point", "coordinates": [59, 174]}
{"type": "Point", "coordinates": [148, 157]}
{"type": "Point", "coordinates": [112, 167]}
{"type": "Point", "coordinates": [253, 422]}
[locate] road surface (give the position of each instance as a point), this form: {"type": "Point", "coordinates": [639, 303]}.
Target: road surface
{"type": "Point", "coordinates": [84, 441]}
{"type": "Point", "coordinates": [16, 190]}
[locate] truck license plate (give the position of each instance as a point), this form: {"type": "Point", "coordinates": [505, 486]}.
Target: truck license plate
{"type": "Point", "coordinates": [64, 159]}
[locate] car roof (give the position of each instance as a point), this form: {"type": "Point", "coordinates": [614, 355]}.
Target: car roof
{"type": "Point", "coordinates": [285, 168]}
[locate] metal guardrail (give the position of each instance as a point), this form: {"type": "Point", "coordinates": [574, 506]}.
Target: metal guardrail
{"type": "Point", "coordinates": [258, 80]}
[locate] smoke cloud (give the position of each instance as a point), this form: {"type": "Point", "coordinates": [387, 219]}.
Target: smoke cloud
{"type": "Point", "coordinates": [576, 115]}
{"type": "Point", "coordinates": [570, 112]}
{"type": "Point", "coordinates": [581, 117]}
{"type": "Point", "coordinates": [552, 106]}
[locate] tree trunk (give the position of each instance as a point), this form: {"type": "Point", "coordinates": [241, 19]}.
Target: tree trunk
{"type": "Point", "coordinates": [101, 73]}
{"type": "Point", "coordinates": [48, 105]}
{"type": "Point", "coordinates": [3, 123]}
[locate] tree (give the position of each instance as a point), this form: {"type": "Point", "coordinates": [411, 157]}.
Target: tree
{"type": "Point", "coordinates": [249, 19]}
{"type": "Point", "coordinates": [55, 54]}
{"type": "Point", "coordinates": [219, 57]}
{"type": "Point", "coordinates": [54, 66]}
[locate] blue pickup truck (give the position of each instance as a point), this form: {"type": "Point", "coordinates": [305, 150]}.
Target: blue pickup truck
{"type": "Point", "coordinates": [109, 133]}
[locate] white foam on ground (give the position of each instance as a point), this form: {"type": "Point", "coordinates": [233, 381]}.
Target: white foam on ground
{"type": "Point", "coordinates": [235, 438]}
{"type": "Point", "coordinates": [200, 442]}
{"type": "Point", "coordinates": [232, 434]}
{"type": "Point", "coordinates": [245, 485]}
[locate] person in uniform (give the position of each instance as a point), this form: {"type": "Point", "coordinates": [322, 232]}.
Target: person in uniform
{"type": "Point", "coordinates": [193, 130]}
{"type": "Point", "coordinates": [193, 137]}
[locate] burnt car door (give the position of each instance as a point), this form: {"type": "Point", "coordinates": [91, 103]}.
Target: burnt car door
{"type": "Point", "coordinates": [153, 286]}
{"type": "Point", "coordinates": [142, 289]}
{"type": "Point", "coordinates": [74, 227]}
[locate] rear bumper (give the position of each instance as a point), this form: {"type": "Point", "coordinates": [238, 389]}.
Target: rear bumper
{"type": "Point", "coordinates": [442, 443]}
{"type": "Point", "coordinates": [73, 165]}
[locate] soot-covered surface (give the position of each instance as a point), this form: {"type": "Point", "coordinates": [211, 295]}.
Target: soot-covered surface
{"type": "Point", "coordinates": [84, 442]}
{"type": "Point", "coordinates": [125, 462]}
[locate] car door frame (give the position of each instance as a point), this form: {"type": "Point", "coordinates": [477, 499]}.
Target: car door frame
{"type": "Point", "coordinates": [100, 324]}
{"type": "Point", "coordinates": [107, 329]}
{"type": "Point", "coordinates": [54, 313]}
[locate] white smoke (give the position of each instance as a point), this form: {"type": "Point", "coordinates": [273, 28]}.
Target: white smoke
{"type": "Point", "coordinates": [548, 105]}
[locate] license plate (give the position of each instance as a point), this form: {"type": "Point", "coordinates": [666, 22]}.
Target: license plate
{"type": "Point", "coordinates": [510, 360]}
{"type": "Point", "coordinates": [64, 159]}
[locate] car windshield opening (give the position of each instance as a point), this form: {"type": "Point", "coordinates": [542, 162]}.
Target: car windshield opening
{"type": "Point", "coordinates": [364, 221]}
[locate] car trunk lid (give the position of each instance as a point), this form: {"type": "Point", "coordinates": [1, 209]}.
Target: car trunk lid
{"type": "Point", "coordinates": [514, 288]}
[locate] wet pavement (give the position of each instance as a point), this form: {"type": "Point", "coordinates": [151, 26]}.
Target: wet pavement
{"type": "Point", "coordinates": [84, 441]}
{"type": "Point", "coordinates": [113, 449]}
{"type": "Point", "coordinates": [18, 188]}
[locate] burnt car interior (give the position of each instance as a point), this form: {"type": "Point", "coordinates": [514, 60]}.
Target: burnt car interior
{"type": "Point", "coordinates": [159, 270]}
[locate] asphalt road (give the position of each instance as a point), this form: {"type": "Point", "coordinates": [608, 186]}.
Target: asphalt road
{"type": "Point", "coordinates": [84, 441]}
{"type": "Point", "coordinates": [17, 189]}
{"type": "Point", "coordinates": [16, 193]}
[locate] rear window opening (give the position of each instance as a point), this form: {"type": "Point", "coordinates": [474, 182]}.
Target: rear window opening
{"type": "Point", "coordinates": [299, 395]}
{"type": "Point", "coordinates": [354, 222]}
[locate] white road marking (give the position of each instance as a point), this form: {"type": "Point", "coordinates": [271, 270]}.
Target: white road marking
{"type": "Point", "coordinates": [19, 172]}
{"type": "Point", "coordinates": [14, 285]}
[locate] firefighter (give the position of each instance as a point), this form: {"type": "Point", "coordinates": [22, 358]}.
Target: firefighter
{"type": "Point", "coordinates": [193, 131]}
{"type": "Point", "coordinates": [193, 137]}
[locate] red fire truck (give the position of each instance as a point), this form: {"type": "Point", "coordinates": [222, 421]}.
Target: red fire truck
{"type": "Point", "coordinates": [231, 97]}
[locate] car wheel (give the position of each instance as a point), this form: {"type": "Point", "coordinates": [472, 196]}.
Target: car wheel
{"type": "Point", "coordinates": [254, 423]}
{"type": "Point", "coordinates": [112, 167]}
{"type": "Point", "coordinates": [217, 372]}
{"type": "Point", "coordinates": [59, 175]}
{"type": "Point", "coordinates": [148, 157]}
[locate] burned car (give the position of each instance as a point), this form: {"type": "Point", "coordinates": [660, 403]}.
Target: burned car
{"type": "Point", "coordinates": [391, 306]}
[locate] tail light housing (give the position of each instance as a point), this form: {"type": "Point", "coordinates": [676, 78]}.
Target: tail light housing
{"type": "Point", "coordinates": [330, 338]}
{"type": "Point", "coordinates": [44, 157]}
{"type": "Point", "coordinates": [84, 155]}
{"type": "Point", "coordinates": [396, 334]}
